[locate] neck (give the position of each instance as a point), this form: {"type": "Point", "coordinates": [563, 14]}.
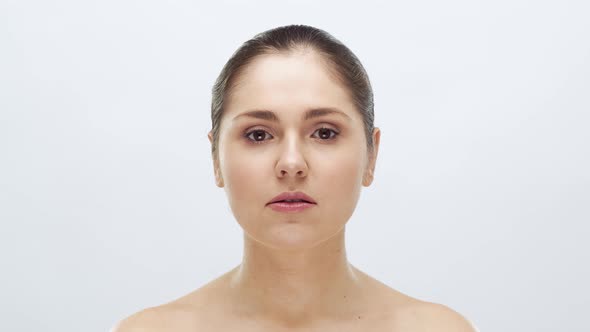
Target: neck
{"type": "Point", "coordinates": [296, 288]}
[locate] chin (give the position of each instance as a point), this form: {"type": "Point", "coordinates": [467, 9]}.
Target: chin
{"type": "Point", "coordinates": [291, 236]}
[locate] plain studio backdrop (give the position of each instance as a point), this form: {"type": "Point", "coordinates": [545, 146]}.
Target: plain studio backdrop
{"type": "Point", "coordinates": [481, 198]}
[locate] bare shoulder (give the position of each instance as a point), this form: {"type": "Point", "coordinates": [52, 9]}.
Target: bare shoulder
{"type": "Point", "coordinates": [428, 316]}
{"type": "Point", "coordinates": [167, 317]}
{"type": "Point", "coordinates": [402, 312]}
{"type": "Point", "coordinates": [196, 311]}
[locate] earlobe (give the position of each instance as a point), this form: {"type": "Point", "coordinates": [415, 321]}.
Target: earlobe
{"type": "Point", "coordinates": [218, 177]}
{"type": "Point", "coordinates": [219, 180]}
{"type": "Point", "coordinates": [368, 178]}
{"type": "Point", "coordinates": [369, 174]}
{"type": "Point", "coordinates": [369, 171]}
{"type": "Point", "coordinates": [210, 136]}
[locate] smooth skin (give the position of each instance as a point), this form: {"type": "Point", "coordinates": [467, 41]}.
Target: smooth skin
{"type": "Point", "coordinates": [294, 275]}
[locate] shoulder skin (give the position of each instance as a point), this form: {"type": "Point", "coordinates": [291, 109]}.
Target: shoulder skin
{"type": "Point", "coordinates": [440, 318]}
{"type": "Point", "coordinates": [157, 319]}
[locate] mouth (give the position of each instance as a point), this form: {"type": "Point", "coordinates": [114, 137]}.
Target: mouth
{"type": "Point", "coordinates": [292, 199]}
{"type": "Point", "coordinates": [291, 202]}
{"type": "Point", "coordinates": [290, 206]}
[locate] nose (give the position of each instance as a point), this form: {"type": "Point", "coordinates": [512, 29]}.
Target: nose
{"type": "Point", "coordinates": [291, 162]}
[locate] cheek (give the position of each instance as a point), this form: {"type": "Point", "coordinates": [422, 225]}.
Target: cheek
{"type": "Point", "coordinates": [344, 173]}
{"type": "Point", "coordinates": [242, 173]}
{"type": "Point", "coordinates": [339, 184]}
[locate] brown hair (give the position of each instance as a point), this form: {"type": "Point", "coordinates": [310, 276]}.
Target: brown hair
{"type": "Point", "coordinates": [343, 63]}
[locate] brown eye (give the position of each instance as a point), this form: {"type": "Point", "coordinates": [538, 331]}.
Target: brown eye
{"type": "Point", "coordinates": [257, 135]}
{"type": "Point", "coordinates": [325, 134]}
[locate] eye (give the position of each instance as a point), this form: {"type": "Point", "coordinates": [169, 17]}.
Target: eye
{"type": "Point", "coordinates": [258, 136]}
{"type": "Point", "coordinates": [324, 133]}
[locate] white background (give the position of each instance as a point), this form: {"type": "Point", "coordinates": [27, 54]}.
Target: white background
{"type": "Point", "coordinates": [481, 199]}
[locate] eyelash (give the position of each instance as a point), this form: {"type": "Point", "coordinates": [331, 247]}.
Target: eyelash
{"type": "Point", "coordinates": [336, 133]}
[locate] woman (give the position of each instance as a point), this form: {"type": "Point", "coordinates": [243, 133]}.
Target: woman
{"type": "Point", "coordinates": [292, 142]}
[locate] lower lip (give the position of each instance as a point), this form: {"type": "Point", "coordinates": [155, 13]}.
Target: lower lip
{"type": "Point", "coordinates": [290, 207]}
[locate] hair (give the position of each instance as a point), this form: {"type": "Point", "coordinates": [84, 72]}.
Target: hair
{"type": "Point", "coordinates": [287, 39]}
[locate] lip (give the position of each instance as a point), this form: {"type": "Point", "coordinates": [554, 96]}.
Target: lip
{"type": "Point", "coordinates": [290, 207]}
{"type": "Point", "coordinates": [292, 195]}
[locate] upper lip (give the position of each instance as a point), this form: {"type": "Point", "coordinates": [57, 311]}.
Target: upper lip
{"type": "Point", "coordinates": [292, 195]}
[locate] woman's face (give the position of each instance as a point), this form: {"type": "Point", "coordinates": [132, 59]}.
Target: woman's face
{"type": "Point", "coordinates": [260, 158]}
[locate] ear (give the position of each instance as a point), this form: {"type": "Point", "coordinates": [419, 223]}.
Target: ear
{"type": "Point", "coordinates": [370, 169]}
{"type": "Point", "coordinates": [216, 169]}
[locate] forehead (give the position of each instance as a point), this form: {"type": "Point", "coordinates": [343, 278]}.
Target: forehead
{"type": "Point", "coordinates": [288, 83]}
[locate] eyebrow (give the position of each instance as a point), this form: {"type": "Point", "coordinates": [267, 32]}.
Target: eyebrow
{"type": "Point", "coordinates": [310, 114]}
